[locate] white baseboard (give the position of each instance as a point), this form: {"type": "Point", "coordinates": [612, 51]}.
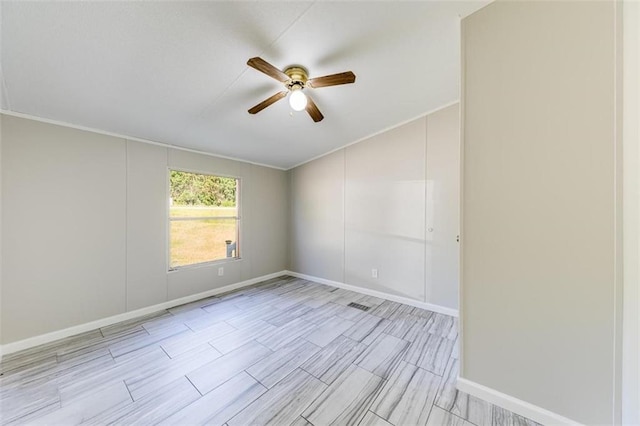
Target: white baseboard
{"type": "Point", "coordinates": [368, 292]}
{"type": "Point", "coordinates": [516, 405]}
{"type": "Point", "coordinates": [93, 325]}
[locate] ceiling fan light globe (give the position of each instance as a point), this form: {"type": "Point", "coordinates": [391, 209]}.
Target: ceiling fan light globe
{"type": "Point", "coordinates": [297, 100]}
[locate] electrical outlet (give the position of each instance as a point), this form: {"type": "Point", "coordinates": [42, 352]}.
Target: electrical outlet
{"type": "Point", "coordinates": [220, 271]}
{"type": "Point", "coordinates": [374, 273]}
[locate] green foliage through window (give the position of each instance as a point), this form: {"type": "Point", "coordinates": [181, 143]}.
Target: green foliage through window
{"type": "Point", "coordinates": [191, 189]}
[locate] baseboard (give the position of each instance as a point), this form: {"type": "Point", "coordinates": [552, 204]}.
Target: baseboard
{"type": "Point", "coordinates": [368, 292]}
{"type": "Point", "coordinates": [93, 325]}
{"type": "Point", "coordinates": [516, 405]}
{"type": "Point", "coordinates": [82, 328]}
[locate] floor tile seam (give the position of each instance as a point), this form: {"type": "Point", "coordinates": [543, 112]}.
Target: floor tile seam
{"type": "Point", "coordinates": [128, 391]}
{"type": "Point", "coordinates": [303, 409]}
{"type": "Point", "coordinates": [460, 417]}
{"type": "Point", "coordinates": [186, 376]}
{"type": "Point", "coordinates": [223, 354]}
{"type": "Point", "coordinates": [133, 324]}
{"type": "Point", "coordinates": [313, 375]}
{"type": "Point", "coordinates": [379, 416]}
{"type": "Point", "coordinates": [268, 389]}
{"type": "Point", "coordinates": [200, 332]}
{"type": "Point", "coordinates": [467, 420]}
{"type": "Point", "coordinates": [432, 403]}
{"type": "Point", "coordinates": [426, 369]}
{"type": "Point", "coordinates": [257, 380]}
{"type": "Point", "coordinates": [308, 421]}
{"type": "Point", "coordinates": [374, 395]}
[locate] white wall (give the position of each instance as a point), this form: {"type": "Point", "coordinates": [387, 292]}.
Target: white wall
{"type": "Point", "coordinates": [385, 211]}
{"type": "Point", "coordinates": [540, 277]}
{"type": "Point", "coordinates": [146, 225]}
{"type": "Point", "coordinates": [370, 205]}
{"type": "Point", "coordinates": [443, 207]}
{"type": "Point", "coordinates": [268, 221]}
{"type": "Point", "coordinates": [64, 221]}
{"type": "Point", "coordinates": [85, 226]}
{"type": "Point", "coordinates": [317, 217]}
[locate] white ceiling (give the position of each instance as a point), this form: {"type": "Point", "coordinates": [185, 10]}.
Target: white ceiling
{"type": "Point", "coordinates": [175, 72]}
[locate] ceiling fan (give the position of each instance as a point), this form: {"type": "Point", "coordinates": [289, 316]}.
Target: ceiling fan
{"type": "Point", "coordinates": [296, 79]}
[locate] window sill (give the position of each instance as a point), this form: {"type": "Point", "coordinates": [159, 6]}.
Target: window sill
{"type": "Point", "coordinates": [205, 264]}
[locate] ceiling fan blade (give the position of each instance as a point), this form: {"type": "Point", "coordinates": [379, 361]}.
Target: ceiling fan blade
{"type": "Point", "coordinates": [273, 99]}
{"type": "Point", "coordinates": [332, 80]}
{"type": "Point", "coordinates": [268, 69]}
{"type": "Point", "coordinates": [313, 110]}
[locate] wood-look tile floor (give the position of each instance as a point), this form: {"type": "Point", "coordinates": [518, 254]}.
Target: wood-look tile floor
{"type": "Point", "coordinates": [283, 352]}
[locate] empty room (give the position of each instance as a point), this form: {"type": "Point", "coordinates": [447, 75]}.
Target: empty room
{"type": "Point", "coordinates": [309, 213]}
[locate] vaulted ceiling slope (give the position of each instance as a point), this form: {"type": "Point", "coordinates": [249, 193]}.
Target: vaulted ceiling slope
{"type": "Point", "coordinates": [176, 73]}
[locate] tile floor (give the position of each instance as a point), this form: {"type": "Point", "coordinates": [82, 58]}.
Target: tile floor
{"type": "Point", "coordinates": [283, 352]}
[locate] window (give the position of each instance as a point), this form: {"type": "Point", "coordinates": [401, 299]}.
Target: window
{"type": "Point", "coordinates": [204, 219]}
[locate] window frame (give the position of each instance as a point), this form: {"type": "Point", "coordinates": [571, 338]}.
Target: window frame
{"type": "Point", "coordinates": [238, 218]}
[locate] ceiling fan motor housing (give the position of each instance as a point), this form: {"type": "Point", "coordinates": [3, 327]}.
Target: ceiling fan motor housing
{"type": "Point", "coordinates": [298, 77]}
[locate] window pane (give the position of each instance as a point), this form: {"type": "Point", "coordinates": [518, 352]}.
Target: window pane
{"type": "Point", "coordinates": [202, 211]}
{"type": "Point", "coordinates": [203, 215]}
{"type": "Point", "coordinates": [205, 191]}
{"type": "Point", "coordinates": [197, 241]}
